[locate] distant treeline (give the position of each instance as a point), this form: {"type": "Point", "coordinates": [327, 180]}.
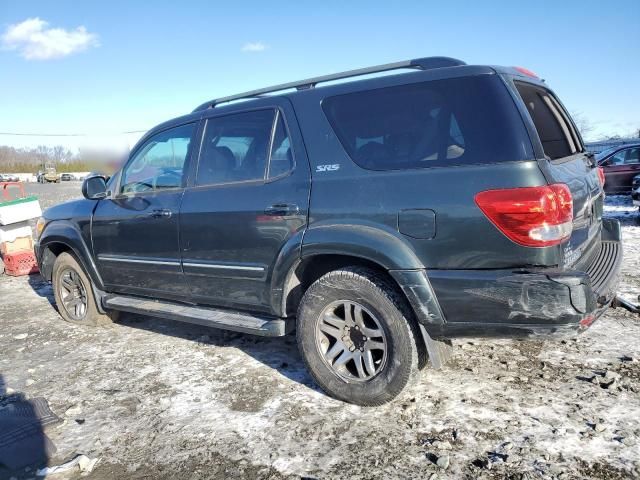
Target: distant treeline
{"type": "Point", "coordinates": [30, 160]}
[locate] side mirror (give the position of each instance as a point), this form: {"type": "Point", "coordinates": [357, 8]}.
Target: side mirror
{"type": "Point", "coordinates": [94, 187]}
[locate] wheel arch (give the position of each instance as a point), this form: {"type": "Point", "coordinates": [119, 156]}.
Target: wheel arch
{"type": "Point", "coordinates": [308, 269]}
{"type": "Point", "coordinates": [328, 246]}
{"type": "Point", "coordinates": [62, 236]}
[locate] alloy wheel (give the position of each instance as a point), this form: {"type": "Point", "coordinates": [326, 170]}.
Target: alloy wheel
{"type": "Point", "coordinates": [73, 294]}
{"type": "Point", "coordinates": [351, 341]}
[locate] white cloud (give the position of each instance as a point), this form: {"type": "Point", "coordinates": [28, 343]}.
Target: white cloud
{"type": "Point", "coordinates": [254, 47]}
{"type": "Point", "coordinates": [33, 39]}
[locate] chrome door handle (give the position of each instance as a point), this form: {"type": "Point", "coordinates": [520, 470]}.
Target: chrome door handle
{"type": "Point", "coordinates": [160, 213]}
{"type": "Point", "coordinates": [282, 209]}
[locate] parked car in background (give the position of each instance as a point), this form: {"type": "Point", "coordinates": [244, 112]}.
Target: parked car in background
{"type": "Point", "coordinates": [620, 165]}
{"type": "Point", "coordinates": [66, 177]}
{"type": "Point", "coordinates": [378, 218]}
{"type": "Point", "coordinates": [635, 190]}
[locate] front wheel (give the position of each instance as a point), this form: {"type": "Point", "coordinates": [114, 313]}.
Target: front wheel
{"type": "Point", "coordinates": [74, 294]}
{"type": "Point", "coordinates": [355, 334]}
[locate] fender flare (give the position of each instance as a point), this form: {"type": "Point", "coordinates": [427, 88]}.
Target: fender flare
{"type": "Point", "coordinates": [375, 243]}
{"type": "Point", "coordinates": [66, 233]}
{"type": "Point", "coordinates": [284, 266]}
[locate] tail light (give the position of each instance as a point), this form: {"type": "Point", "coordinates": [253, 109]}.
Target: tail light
{"type": "Point", "coordinates": [530, 216]}
{"type": "Point", "coordinates": [601, 176]}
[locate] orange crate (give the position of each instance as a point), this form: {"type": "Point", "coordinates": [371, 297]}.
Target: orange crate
{"type": "Point", "coordinates": [20, 263]}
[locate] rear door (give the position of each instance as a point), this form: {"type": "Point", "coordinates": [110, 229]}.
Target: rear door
{"type": "Point", "coordinates": [248, 202]}
{"type": "Point", "coordinates": [135, 232]}
{"type": "Point", "coordinates": [566, 162]}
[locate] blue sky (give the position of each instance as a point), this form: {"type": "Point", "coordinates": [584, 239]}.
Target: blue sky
{"type": "Point", "coordinates": [145, 62]}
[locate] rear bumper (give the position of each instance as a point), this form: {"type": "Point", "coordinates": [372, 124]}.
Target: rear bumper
{"type": "Point", "coordinates": [523, 301]}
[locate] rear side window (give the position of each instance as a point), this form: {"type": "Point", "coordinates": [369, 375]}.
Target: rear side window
{"type": "Point", "coordinates": [281, 160]}
{"type": "Point", "coordinates": [555, 129]}
{"type": "Point", "coordinates": [445, 122]}
{"type": "Point", "coordinates": [235, 147]}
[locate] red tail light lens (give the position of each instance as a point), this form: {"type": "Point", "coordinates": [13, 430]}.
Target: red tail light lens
{"type": "Point", "coordinates": [530, 216]}
{"type": "Point", "coordinates": [601, 176]}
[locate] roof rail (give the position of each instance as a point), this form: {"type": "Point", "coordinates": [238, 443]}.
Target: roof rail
{"type": "Point", "coordinates": [426, 63]}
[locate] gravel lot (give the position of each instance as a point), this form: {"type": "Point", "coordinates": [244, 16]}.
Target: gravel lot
{"type": "Point", "coordinates": [155, 399]}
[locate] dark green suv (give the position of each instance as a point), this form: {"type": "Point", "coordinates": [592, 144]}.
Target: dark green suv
{"type": "Point", "coordinates": [379, 217]}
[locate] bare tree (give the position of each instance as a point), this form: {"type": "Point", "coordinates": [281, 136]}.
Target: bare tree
{"type": "Point", "coordinates": [60, 154]}
{"type": "Point", "coordinates": [24, 160]}
{"type": "Point", "coordinates": [582, 122]}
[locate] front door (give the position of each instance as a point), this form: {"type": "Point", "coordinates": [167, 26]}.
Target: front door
{"type": "Point", "coordinates": [249, 199]}
{"type": "Point", "coordinates": [135, 232]}
{"type": "Point", "coordinates": [620, 170]}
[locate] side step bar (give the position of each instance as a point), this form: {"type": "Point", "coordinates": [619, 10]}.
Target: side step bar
{"type": "Point", "coordinates": [208, 317]}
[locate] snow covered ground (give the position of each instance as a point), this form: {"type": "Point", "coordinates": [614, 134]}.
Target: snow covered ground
{"type": "Point", "coordinates": [155, 399]}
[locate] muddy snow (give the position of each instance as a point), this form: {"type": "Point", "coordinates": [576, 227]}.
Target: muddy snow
{"type": "Point", "coordinates": [154, 399]}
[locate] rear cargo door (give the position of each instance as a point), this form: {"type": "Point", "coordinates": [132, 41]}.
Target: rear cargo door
{"type": "Point", "coordinates": [566, 162]}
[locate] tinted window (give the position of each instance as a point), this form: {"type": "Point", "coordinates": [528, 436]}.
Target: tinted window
{"type": "Point", "coordinates": [235, 147]}
{"type": "Point", "coordinates": [281, 155]}
{"type": "Point", "coordinates": [632, 155]}
{"type": "Point", "coordinates": [444, 122]}
{"type": "Point", "coordinates": [555, 129]}
{"type": "Point", "coordinates": [159, 163]}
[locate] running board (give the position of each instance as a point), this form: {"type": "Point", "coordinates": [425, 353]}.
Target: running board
{"type": "Point", "coordinates": [205, 316]}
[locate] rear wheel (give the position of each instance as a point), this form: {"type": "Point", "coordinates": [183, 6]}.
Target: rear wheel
{"type": "Point", "coordinates": [355, 334]}
{"type": "Point", "coordinates": [73, 293]}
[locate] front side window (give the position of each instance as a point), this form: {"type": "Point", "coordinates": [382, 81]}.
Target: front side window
{"type": "Point", "coordinates": [617, 159]}
{"type": "Point", "coordinates": [632, 155]}
{"type": "Point", "coordinates": [443, 122]}
{"type": "Point", "coordinates": [605, 153]}
{"type": "Point", "coordinates": [159, 163]}
{"type": "Point", "coordinates": [235, 148]}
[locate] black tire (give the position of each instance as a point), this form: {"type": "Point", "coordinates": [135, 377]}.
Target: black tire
{"type": "Point", "coordinates": [67, 269]}
{"type": "Point", "coordinates": [379, 298]}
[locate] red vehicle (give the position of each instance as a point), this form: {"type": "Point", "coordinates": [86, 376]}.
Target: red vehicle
{"type": "Point", "coordinates": [620, 165]}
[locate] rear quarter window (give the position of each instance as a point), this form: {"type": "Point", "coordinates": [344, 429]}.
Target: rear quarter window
{"type": "Point", "coordinates": [555, 129]}
{"type": "Point", "coordinates": [468, 120]}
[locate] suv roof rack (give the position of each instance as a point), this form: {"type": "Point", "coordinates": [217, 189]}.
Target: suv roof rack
{"type": "Point", "coordinates": [426, 63]}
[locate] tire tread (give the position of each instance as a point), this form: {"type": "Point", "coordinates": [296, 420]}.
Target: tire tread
{"type": "Point", "coordinates": [384, 288]}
